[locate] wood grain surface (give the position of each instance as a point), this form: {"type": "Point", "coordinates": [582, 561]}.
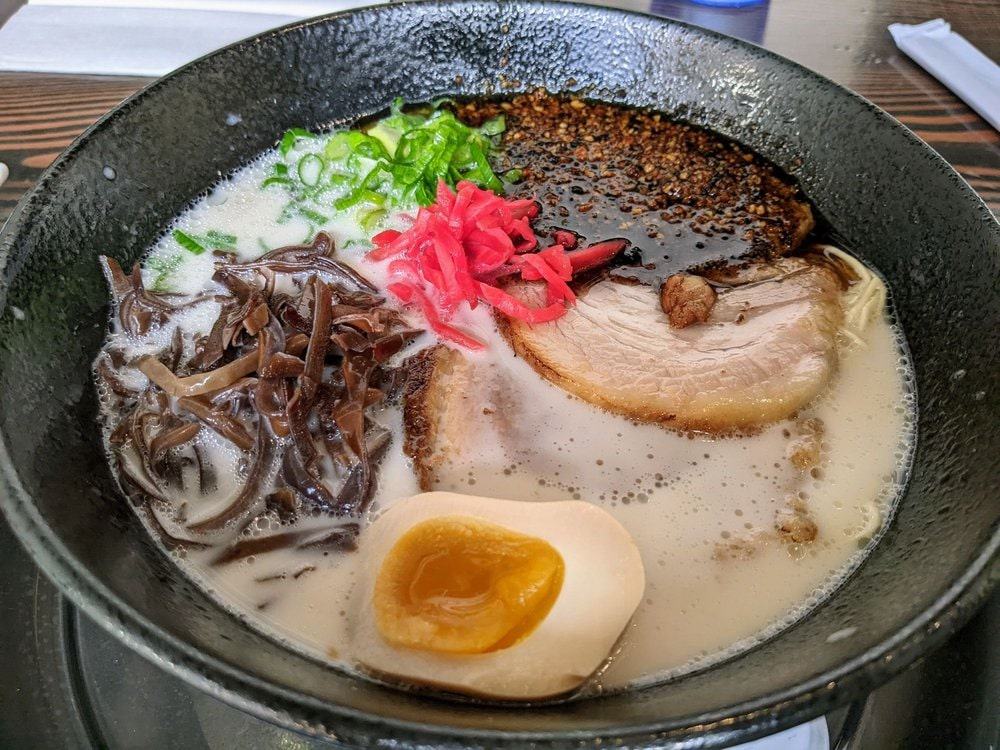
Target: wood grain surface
{"type": "Point", "coordinates": [41, 114]}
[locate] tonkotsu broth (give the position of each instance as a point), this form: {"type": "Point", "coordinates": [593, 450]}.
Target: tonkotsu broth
{"type": "Point", "coordinates": [680, 496]}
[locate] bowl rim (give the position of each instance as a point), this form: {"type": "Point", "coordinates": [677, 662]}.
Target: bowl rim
{"type": "Point", "coordinates": [741, 722]}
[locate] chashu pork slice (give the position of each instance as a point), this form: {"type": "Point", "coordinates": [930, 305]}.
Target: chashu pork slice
{"type": "Point", "coordinates": [767, 348]}
{"type": "Point", "coordinates": [438, 397]}
{"type": "Point", "coordinates": [452, 402]}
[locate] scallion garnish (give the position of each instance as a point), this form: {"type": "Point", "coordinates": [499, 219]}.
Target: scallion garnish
{"type": "Point", "coordinates": [370, 219]}
{"type": "Point", "coordinates": [310, 169]}
{"type": "Point", "coordinates": [292, 137]}
{"type": "Point", "coordinates": [188, 242]}
{"type": "Point", "coordinates": [163, 267]}
{"type": "Point", "coordinates": [314, 216]}
{"type": "Point", "coordinates": [494, 126]}
{"type": "Point", "coordinates": [276, 181]}
{"type": "Point", "coordinates": [218, 240]}
{"type": "Point", "coordinates": [394, 163]}
{"type": "Point", "coordinates": [513, 175]}
{"type": "Point", "coordinates": [355, 242]}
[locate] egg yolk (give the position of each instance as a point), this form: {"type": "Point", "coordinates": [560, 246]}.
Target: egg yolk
{"type": "Point", "coordinates": [460, 585]}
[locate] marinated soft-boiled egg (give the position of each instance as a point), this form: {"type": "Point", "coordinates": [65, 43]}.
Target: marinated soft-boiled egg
{"type": "Point", "coordinates": [495, 598]}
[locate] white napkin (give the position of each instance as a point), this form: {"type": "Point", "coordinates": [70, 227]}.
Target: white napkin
{"type": "Point", "coordinates": [957, 64]}
{"type": "Point", "coordinates": [140, 37]}
{"type": "Point", "coordinates": [812, 735]}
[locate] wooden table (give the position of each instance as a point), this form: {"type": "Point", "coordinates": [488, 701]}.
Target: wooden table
{"type": "Point", "coordinates": [844, 39]}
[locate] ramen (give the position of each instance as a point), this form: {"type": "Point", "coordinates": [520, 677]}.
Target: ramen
{"type": "Point", "coordinates": [519, 398]}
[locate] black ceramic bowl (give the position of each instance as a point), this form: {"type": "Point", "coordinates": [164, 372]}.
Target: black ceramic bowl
{"type": "Point", "coordinates": [892, 199]}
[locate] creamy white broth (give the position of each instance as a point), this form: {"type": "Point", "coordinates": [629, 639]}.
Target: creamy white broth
{"type": "Point", "coordinates": [680, 496]}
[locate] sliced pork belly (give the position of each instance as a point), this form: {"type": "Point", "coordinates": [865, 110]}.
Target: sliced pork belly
{"type": "Point", "coordinates": [452, 401]}
{"type": "Point", "coordinates": [439, 404]}
{"type": "Point", "coordinates": [767, 348]}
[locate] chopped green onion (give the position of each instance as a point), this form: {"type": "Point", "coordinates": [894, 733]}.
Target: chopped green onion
{"type": "Point", "coordinates": [314, 216]}
{"type": "Point", "coordinates": [188, 242]}
{"type": "Point", "coordinates": [396, 162]}
{"type": "Point", "coordinates": [163, 267]}
{"type": "Point", "coordinates": [494, 126]}
{"type": "Point", "coordinates": [353, 144]}
{"type": "Point", "coordinates": [440, 102]}
{"type": "Point", "coordinates": [386, 135]}
{"type": "Point", "coordinates": [310, 169]}
{"type": "Point", "coordinates": [275, 181]}
{"type": "Point", "coordinates": [337, 148]}
{"type": "Point", "coordinates": [513, 175]}
{"type": "Point", "coordinates": [342, 204]}
{"type": "Point", "coordinates": [370, 219]}
{"type": "Point", "coordinates": [291, 137]}
{"type": "Point", "coordinates": [218, 240]}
